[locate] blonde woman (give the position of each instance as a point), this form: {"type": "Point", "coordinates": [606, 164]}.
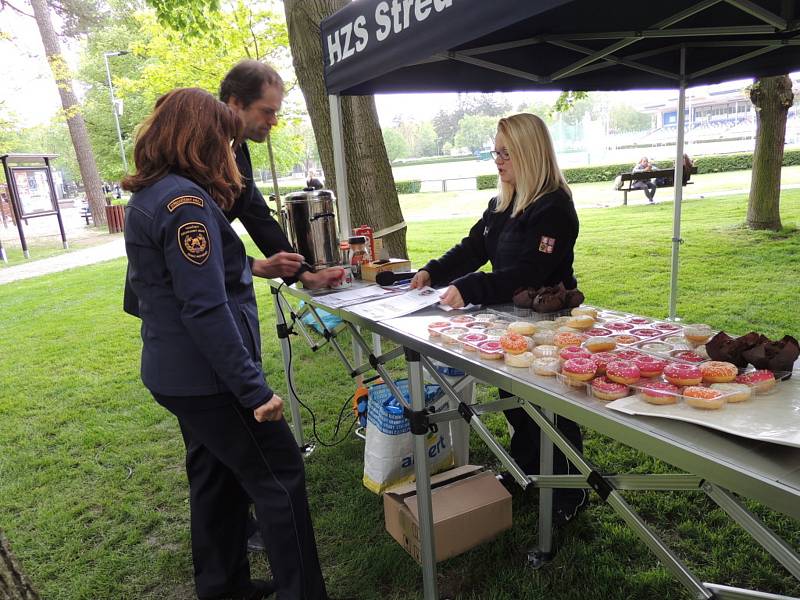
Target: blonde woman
{"type": "Point", "coordinates": [528, 234]}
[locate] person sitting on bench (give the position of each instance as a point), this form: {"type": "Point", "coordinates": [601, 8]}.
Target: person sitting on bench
{"type": "Point", "coordinates": [648, 185]}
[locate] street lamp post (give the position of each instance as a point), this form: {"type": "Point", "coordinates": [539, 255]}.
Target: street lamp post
{"type": "Point", "coordinates": [114, 104]}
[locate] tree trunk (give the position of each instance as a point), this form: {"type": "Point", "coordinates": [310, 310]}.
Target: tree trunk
{"type": "Point", "coordinates": [72, 112]}
{"type": "Point", "coordinates": [373, 198]}
{"type": "Point", "coordinates": [13, 584]}
{"type": "Point", "coordinates": [772, 97]}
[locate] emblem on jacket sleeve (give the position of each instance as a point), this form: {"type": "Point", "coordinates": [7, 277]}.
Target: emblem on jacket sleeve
{"type": "Point", "coordinates": [194, 242]}
{"type": "Point", "coordinates": [181, 200]}
{"type": "Point", "coordinates": [547, 244]}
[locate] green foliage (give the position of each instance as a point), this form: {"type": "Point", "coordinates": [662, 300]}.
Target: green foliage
{"type": "Point", "coordinates": [475, 132]}
{"type": "Point", "coordinates": [396, 146]}
{"type": "Point", "coordinates": [568, 101]}
{"type": "Point", "coordinates": [623, 118]}
{"type": "Point", "coordinates": [408, 187]}
{"type": "Point", "coordinates": [433, 160]}
{"type": "Point", "coordinates": [267, 189]}
{"type": "Point", "coordinates": [486, 182]}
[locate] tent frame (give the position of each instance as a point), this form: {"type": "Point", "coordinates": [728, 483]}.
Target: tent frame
{"type": "Point", "coordinates": [773, 25]}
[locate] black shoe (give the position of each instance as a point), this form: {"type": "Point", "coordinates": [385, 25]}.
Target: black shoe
{"type": "Point", "coordinates": [566, 511]}
{"type": "Point", "coordinates": [255, 543]}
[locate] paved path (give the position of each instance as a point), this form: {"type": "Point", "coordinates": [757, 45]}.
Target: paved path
{"type": "Point", "coordinates": [62, 262]}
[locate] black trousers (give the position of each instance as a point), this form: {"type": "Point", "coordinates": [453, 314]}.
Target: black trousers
{"type": "Point", "coordinates": [526, 452]}
{"type": "Point", "coordinates": [232, 459]}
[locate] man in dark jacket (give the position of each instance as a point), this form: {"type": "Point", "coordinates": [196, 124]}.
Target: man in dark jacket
{"type": "Point", "coordinates": [255, 91]}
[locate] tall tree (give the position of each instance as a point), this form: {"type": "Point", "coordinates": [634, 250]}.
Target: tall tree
{"type": "Point", "coordinates": [13, 583]}
{"type": "Point", "coordinates": [772, 97]}
{"type": "Point", "coordinates": [72, 111]}
{"type": "Point", "coordinates": [373, 198]}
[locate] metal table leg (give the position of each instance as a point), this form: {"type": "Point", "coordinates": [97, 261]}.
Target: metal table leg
{"type": "Point", "coordinates": [286, 350]}
{"type": "Point", "coordinates": [416, 388]}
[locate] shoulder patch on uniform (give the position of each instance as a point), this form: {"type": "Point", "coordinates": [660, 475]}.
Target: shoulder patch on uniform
{"type": "Point", "coordinates": [181, 200]}
{"type": "Point", "coordinates": [194, 242]}
{"type": "Point", "coordinates": [547, 244]}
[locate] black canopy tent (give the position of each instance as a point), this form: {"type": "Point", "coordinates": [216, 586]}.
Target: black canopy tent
{"type": "Point", "coordinates": [386, 46]}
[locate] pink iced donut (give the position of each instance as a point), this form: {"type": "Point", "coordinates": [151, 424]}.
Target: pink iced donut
{"type": "Point", "coordinates": [760, 380]}
{"type": "Point", "coordinates": [687, 355]}
{"type": "Point", "coordinates": [622, 371]}
{"type": "Point", "coordinates": [645, 332]}
{"type": "Point", "coordinates": [598, 331]}
{"type": "Point", "coordinates": [579, 369]}
{"type": "Point", "coordinates": [461, 319]}
{"type": "Point", "coordinates": [659, 392]}
{"type": "Point", "coordinates": [490, 350]}
{"type": "Point", "coordinates": [573, 352]}
{"type": "Point", "coordinates": [469, 341]}
{"type": "Point", "coordinates": [605, 389]}
{"type": "Point", "coordinates": [649, 366]}
{"type": "Point", "coordinates": [639, 320]}
{"type": "Point", "coordinates": [435, 328]}
{"type": "Point", "coordinates": [667, 327]}
{"type": "Point", "coordinates": [601, 359]}
{"type": "Point", "coordinates": [682, 374]}
{"type": "Point", "coordinates": [514, 343]}
{"type": "Point", "coordinates": [628, 354]}
{"type": "Point", "coordinates": [619, 326]}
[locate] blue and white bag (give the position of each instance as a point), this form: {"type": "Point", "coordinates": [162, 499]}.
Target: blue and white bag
{"type": "Point", "coordinates": [389, 448]}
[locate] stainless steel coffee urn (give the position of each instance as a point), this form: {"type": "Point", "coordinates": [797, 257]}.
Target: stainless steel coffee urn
{"type": "Point", "coordinates": [311, 226]}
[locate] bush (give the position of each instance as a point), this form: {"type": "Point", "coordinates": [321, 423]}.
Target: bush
{"type": "Point", "coordinates": [431, 160]}
{"type": "Point", "coordinates": [594, 174]}
{"type": "Point", "coordinates": [486, 182]}
{"type": "Point", "coordinates": [408, 187]}
{"type": "Point", "coordinates": [266, 190]}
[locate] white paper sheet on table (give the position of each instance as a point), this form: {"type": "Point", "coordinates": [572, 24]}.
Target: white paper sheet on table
{"type": "Point", "coordinates": [397, 306]}
{"type": "Point", "coordinates": [773, 417]}
{"type": "Point", "coordinates": [355, 296]}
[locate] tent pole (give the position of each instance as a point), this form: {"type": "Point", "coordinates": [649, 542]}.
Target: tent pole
{"type": "Point", "coordinates": [275, 187]}
{"type": "Point", "coordinates": [337, 133]}
{"type": "Point", "coordinates": [676, 219]}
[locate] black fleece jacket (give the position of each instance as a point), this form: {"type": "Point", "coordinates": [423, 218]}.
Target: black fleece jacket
{"type": "Point", "coordinates": [533, 249]}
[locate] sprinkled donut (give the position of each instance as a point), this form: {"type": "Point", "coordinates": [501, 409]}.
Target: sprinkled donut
{"type": "Point", "coordinates": [667, 327]}
{"type": "Point", "coordinates": [564, 338]}
{"type": "Point", "coordinates": [628, 354]}
{"type": "Point", "coordinates": [622, 371]}
{"type": "Point", "coordinates": [659, 392]}
{"type": "Point", "coordinates": [619, 326]}
{"type": "Point", "coordinates": [599, 331]}
{"type": "Point", "coordinates": [682, 374]}
{"type": "Point", "coordinates": [649, 366]}
{"type": "Point", "coordinates": [600, 343]}
{"type": "Point", "coordinates": [639, 320]}
{"type": "Point", "coordinates": [645, 332]}
{"type": "Point", "coordinates": [687, 355]}
{"type": "Point", "coordinates": [514, 343]}
{"type": "Point", "coordinates": [569, 352]}
{"type": "Point", "coordinates": [601, 359]}
{"type": "Point", "coordinates": [717, 371]}
{"type": "Point", "coordinates": [579, 369]}
{"type": "Point", "coordinates": [626, 338]}
{"type": "Point", "coordinates": [761, 380]}
{"type": "Point", "coordinates": [703, 397]}
{"type": "Point", "coordinates": [605, 389]}
{"type": "Point", "coordinates": [462, 319]}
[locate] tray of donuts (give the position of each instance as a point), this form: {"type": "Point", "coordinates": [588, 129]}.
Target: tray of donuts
{"type": "Point", "coordinates": [709, 385]}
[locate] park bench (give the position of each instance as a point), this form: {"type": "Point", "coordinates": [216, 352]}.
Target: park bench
{"type": "Point", "coordinates": [663, 178]}
{"type": "Point", "coordinates": [86, 213]}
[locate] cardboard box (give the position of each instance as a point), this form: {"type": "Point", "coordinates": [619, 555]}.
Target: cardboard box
{"type": "Point", "coordinates": [370, 270]}
{"type": "Point", "coordinates": [469, 507]}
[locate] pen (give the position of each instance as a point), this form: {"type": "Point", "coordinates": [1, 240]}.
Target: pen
{"type": "Point", "coordinates": [402, 282]}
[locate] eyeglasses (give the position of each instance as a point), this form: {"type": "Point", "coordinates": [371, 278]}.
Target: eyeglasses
{"type": "Point", "coordinates": [501, 154]}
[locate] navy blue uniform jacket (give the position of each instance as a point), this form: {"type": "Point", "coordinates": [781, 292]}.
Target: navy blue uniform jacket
{"type": "Point", "coordinates": [189, 281]}
{"type": "Point", "coordinates": [533, 249]}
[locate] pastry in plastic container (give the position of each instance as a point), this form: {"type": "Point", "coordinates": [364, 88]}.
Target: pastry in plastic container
{"type": "Point", "coordinates": [523, 360]}
{"type": "Point", "coordinates": [682, 374]}
{"type": "Point", "coordinates": [461, 319]}
{"type": "Point", "coordinates": [435, 329]}
{"type": "Point", "coordinates": [717, 371]}
{"type": "Point", "coordinates": [656, 347]}
{"type": "Point", "coordinates": [734, 392]}
{"type": "Point", "coordinates": [698, 333]}
{"type": "Point", "coordinates": [703, 398]}
{"type": "Point", "coordinates": [450, 335]}
{"type": "Point", "coordinates": [546, 366]}
{"type": "Point", "coordinates": [622, 371]}
{"type": "Point", "coordinates": [604, 389]}
{"type": "Point", "coordinates": [600, 343]}
{"type": "Point", "coordinates": [761, 380]}
{"type": "Point", "coordinates": [658, 392]}
{"type": "Point", "coordinates": [469, 341]}
{"type": "Point", "coordinates": [579, 369]}
{"type": "Point", "coordinates": [689, 356]}
{"type": "Point", "coordinates": [490, 350]}
{"type": "Point", "coordinates": [626, 339]}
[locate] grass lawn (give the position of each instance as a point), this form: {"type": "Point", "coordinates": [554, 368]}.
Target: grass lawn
{"type": "Point", "coordinates": [93, 496]}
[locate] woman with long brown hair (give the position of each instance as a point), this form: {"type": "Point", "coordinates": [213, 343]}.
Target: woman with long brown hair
{"type": "Point", "coordinates": [190, 282]}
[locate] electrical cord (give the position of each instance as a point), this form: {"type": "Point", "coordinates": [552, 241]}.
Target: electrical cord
{"type": "Point", "coordinates": [334, 442]}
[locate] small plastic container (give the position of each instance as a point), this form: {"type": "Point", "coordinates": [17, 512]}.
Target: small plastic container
{"type": "Point", "coordinates": [645, 332]}
{"type": "Point", "coordinates": [655, 347]}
